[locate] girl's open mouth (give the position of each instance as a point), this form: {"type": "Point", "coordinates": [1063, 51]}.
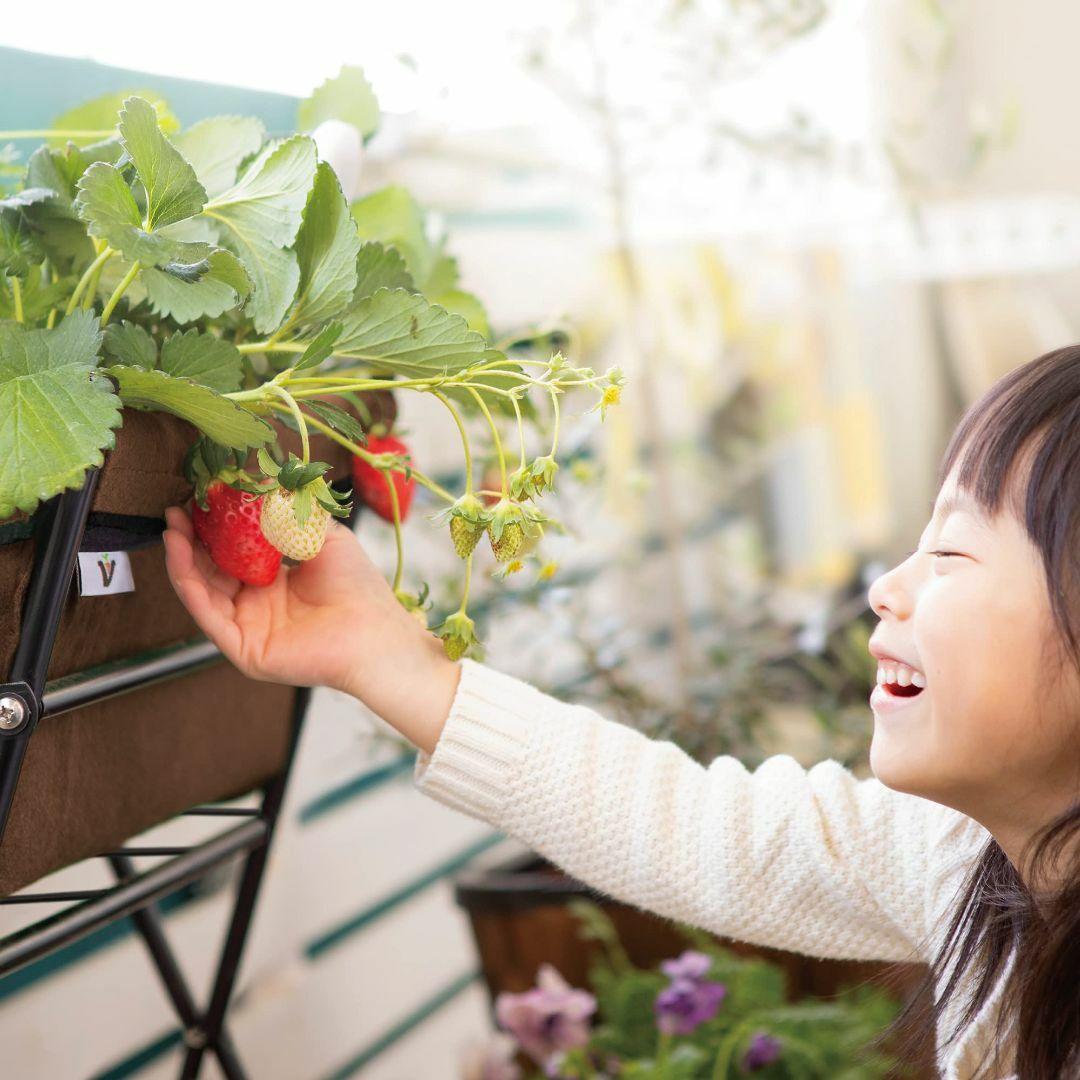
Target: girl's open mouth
{"type": "Point", "coordinates": [902, 691]}
{"type": "Point", "coordinates": [889, 697]}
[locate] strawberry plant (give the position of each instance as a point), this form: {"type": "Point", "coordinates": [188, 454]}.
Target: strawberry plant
{"type": "Point", "coordinates": [224, 276]}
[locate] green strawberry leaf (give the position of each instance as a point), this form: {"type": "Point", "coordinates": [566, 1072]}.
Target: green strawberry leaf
{"type": "Point", "coordinates": [467, 306]}
{"type": "Point", "coordinates": [58, 228]}
{"type": "Point", "coordinates": [173, 191]}
{"type": "Point", "coordinates": [444, 274]}
{"type": "Point", "coordinates": [57, 413]}
{"type": "Point", "coordinates": [379, 267]}
{"type": "Point", "coordinates": [320, 348]}
{"type": "Point", "coordinates": [216, 146]}
{"type": "Point", "coordinates": [342, 422]}
{"type": "Point", "coordinates": [222, 287]}
{"type": "Point", "coordinates": [26, 197]}
{"type": "Point", "coordinates": [18, 248]}
{"type": "Point", "coordinates": [100, 113]}
{"type": "Point", "coordinates": [108, 206]}
{"type": "Point", "coordinates": [215, 416]}
{"type": "Point", "coordinates": [206, 358]}
{"type": "Point", "coordinates": [326, 250]}
{"type": "Point", "coordinates": [267, 464]}
{"type": "Point", "coordinates": [400, 331]}
{"type": "Point", "coordinates": [393, 217]}
{"type": "Point", "coordinates": [128, 343]}
{"type": "Point", "coordinates": [258, 218]}
{"type": "Point", "coordinates": [37, 296]}
{"type": "Point", "coordinates": [347, 97]}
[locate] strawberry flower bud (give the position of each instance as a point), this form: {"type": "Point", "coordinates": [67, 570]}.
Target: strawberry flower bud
{"type": "Point", "coordinates": [542, 471]}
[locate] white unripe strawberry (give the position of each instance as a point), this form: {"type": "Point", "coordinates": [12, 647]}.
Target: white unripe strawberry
{"type": "Point", "coordinates": [279, 525]}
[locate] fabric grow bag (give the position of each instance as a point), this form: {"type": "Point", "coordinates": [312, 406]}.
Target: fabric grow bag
{"type": "Point", "coordinates": [98, 775]}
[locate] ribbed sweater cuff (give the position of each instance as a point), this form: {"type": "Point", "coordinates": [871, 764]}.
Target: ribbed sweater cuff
{"type": "Point", "coordinates": [484, 738]}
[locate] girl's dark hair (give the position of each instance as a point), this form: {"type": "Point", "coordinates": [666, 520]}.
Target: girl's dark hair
{"type": "Point", "coordinates": [1019, 445]}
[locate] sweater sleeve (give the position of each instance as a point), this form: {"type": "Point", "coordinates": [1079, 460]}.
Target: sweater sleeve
{"type": "Point", "coordinates": [813, 860]}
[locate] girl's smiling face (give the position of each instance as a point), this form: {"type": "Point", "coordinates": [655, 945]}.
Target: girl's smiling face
{"type": "Point", "coordinates": [994, 734]}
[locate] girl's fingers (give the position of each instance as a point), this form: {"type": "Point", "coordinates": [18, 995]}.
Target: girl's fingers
{"type": "Point", "coordinates": [212, 610]}
{"type": "Point", "coordinates": [178, 519]}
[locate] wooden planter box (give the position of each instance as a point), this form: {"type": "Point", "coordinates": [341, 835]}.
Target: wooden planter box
{"type": "Point", "coordinates": [96, 776]}
{"type": "Point", "coordinates": [520, 919]}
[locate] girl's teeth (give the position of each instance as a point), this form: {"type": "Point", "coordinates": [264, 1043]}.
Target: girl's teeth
{"type": "Point", "coordinates": [900, 674]}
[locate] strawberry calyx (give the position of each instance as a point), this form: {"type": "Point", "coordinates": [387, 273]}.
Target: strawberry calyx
{"type": "Point", "coordinates": [207, 461]}
{"type": "Point", "coordinates": [416, 605]}
{"type": "Point", "coordinates": [532, 480]}
{"type": "Point", "coordinates": [305, 481]}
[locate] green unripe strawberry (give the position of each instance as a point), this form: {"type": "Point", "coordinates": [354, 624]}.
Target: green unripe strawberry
{"type": "Point", "coordinates": [458, 633]}
{"type": "Point", "coordinates": [455, 647]}
{"type": "Point", "coordinates": [509, 544]}
{"type": "Point", "coordinates": [465, 534]}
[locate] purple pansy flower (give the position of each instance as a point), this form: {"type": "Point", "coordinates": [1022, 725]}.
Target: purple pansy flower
{"type": "Point", "coordinates": [690, 1000]}
{"type": "Point", "coordinates": [549, 1019]}
{"type": "Point", "coordinates": [686, 1004]}
{"type": "Point", "coordinates": [763, 1050]}
{"type": "Point", "coordinates": [690, 965]}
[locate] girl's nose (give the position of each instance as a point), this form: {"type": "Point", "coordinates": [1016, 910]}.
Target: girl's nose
{"type": "Point", "coordinates": [889, 593]}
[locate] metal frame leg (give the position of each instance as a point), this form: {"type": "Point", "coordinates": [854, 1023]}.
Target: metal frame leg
{"type": "Point", "coordinates": [58, 531]}
{"type": "Point", "coordinates": [254, 867]}
{"type": "Point", "coordinates": [147, 921]}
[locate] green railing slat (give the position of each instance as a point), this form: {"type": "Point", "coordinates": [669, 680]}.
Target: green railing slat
{"type": "Point", "coordinates": [404, 1026]}
{"type": "Point", "coordinates": [330, 940]}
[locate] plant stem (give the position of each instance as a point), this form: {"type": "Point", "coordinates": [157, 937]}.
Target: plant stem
{"type": "Point", "coordinates": [54, 277]}
{"type": "Point", "coordinates": [494, 434]}
{"type": "Point", "coordinates": [468, 582]}
{"type": "Point", "coordinates": [521, 430]}
{"type": "Point", "coordinates": [330, 433]}
{"type": "Point", "coordinates": [91, 288]}
{"type": "Point", "coordinates": [16, 292]}
{"type": "Point", "coordinates": [73, 300]}
{"type": "Point", "coordinates": [50, 133]}
{"type": "Point", "coordinates": [301, 420]}
{"type": "Point", "coordinates": [119, 291]}
{"type": "Point", "coordinates": [397, 530]}
{"type": "Point", "coordinates": [555, 406]}
{"type": "Point", "coordinates": [663, 1048]}
{"type": "Point", "coordinates": [464, 441]}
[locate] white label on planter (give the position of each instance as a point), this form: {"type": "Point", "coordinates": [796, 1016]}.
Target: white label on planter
{"type": "Point", "coordinates": [104, 572]}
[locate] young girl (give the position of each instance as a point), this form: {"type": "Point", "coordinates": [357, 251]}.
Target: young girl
{"type": "Point", "coordinates": [976, 720]}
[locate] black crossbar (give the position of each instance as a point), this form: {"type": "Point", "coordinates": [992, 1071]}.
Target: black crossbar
{"type": "Point", "coordinates": [76, 922]}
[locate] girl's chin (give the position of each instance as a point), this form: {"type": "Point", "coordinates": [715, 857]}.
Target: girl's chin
{"type": "Point", "coordinates": [898, 762]}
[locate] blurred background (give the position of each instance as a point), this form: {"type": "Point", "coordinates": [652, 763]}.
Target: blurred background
{"type": "Point", "coordinates": [809, 233]}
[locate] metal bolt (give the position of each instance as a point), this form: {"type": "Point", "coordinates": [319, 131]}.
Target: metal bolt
{"type": "Point", "coordinates": [194, 1037]}
{"type": "Point", "coordinates": [12, 713]}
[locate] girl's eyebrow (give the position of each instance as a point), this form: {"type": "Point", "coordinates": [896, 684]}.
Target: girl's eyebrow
{"type": "Point", "coordinates": [962, 503]}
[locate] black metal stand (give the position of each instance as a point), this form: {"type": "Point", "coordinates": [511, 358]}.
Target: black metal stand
{"type": "Point", "coordinates": [26, 698]}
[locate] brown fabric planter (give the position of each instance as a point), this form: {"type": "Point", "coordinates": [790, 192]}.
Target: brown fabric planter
{"type": "Point", "coordinates": [96, 776]}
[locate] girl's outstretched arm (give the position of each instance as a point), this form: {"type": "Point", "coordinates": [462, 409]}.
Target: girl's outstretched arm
{"type": "Point", "coordinates": [809, 860]}
{"type": "Point", "coordinates": [813, 861]}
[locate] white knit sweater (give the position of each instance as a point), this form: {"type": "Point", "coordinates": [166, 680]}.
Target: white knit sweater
{"type": "Point", "coordinates": [814, 860]}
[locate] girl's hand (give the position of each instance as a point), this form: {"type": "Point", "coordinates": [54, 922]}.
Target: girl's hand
{"type": "Point", "coordinates": [330, 621]}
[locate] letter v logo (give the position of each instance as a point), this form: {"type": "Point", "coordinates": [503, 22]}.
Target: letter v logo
{"type": "Point", "coordinates": [108, 568]}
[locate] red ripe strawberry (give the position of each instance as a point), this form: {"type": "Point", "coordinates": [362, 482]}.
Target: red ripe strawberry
{"type": "Point", "coordinates": [371, 483]}
{"type": "Point", "coordinates": [231, 532]}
